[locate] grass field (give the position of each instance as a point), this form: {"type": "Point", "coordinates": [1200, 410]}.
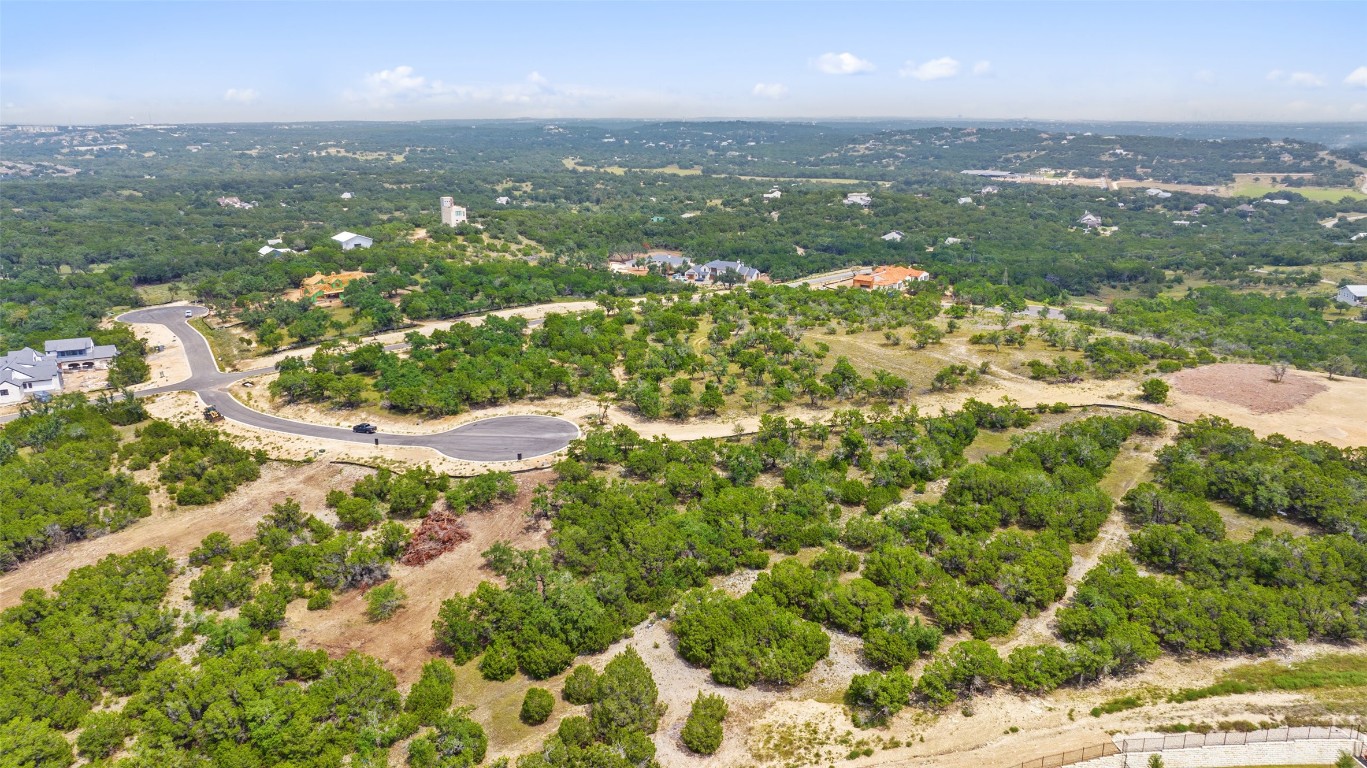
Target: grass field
{"type": "Point", "coordinates": [1330, 194]}
{"type": "Point", "coordinates": [164, 293]}
{"type": "Point", "coordinates": [224, 343]}
{"type": "Point", "coordinates": [572, 163]}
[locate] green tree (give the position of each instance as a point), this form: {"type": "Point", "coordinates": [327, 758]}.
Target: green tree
{"type": "Point", "coordinates": [581, 685]}
{"type": "Point", "coordinates": [702, 732]}
{"type": "Point", "coordinates": [431, 696]}
{"type": "Point", "coordinates": [626, 698]}
{"type": "Point", "coordinates": [26, 743]}
{"type": "Point", "coordinates": [1154, 391]}
{"type": "Point", "coordinates": [536, 706]}
{"type": "Point", "coordinates": [384, 601]}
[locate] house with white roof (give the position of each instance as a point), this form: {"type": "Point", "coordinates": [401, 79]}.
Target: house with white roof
{"type": "Point", "coordinates": [713, 270]}
{"type": "Point", "coordinates": [1353, 295]}
{"type": "Point", "coordinates": [965, 201]}
{"type": "Point", "coordinates": [858, 198]}
{"type": "Point", "coordinates": [25, 373]}
{"type": "Point", "coordinates": [1089, 220]}
{"type": "Point", "coordinates": [349, 240]}
{"type": "Point", "coordinates": [667, 262]}
{"type": "Point", "coordinates": [1161, 194]}
{"type": "Point", "coordinates": [894, 237]}
{"type": "Point", "coordinates": [453, 215]}
{"type": "Point", "coordinates": [773, 194]}
{"type": "Point", "coordinates": [502, 200]}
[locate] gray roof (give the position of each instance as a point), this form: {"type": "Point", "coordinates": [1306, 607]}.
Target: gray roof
{"type": "Point", "coordinates": [664, 258]}
{"type": "Point", "coordinates": [25, 356]}
{"type": "Point", "coordinates": [29, 364]}
{"type": "Point", "coordinates": [1359, 291]}
{"type": "Point", "coordinates": [749, 273]}
{"type": "Point", "coordinates": [102, 351]}
{"type": "Point", "coordinates": [68, 345]}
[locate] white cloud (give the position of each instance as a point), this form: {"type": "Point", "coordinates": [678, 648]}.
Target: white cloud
{"type": "Point", "coordinates": [770, 90]}
{"type": "Point", "coordinates": [1302, 79]}
{"type": "Point", "coordinates": [1204, 76]}
{"type": "Point", "coordinates": [402, 91]}
{"type": "Point", "coordinates": [1357, 78]}
{"type": "Point", "coordinates": [241, 95]}
{"type": "Point", "coordinates": [842, 64]}
{"type": "Point", "coordinates": [935, 69]}
{"type": "Point", "coordinates": [982, 68]}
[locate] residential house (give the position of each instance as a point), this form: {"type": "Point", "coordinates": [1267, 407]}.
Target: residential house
{"type": "Point", "coordinates": [79, 354]}
{"type": "Point", "coordinates": [453, 215]}
{"type": "Point", "coordinates": [1357, 237]}
{"type": "Point", "coordinates": [772, 194]}
{"type": "Point", "coordinates": [894, 236]}
{"type": "Point", "coordinates": [965, 201]}
{"type": "Point", "coordinates": [713, 270]}
{"type": "Point", "coordinates": [1278, 202]}
{"type": "Point", "coordinates": [1353, 295]}
{"type": "Point", "coordinates": [890, 278]}
{"type": "Point", "coordinates": [858, 198]}
{"type": "Point", "coordinates": [1158, 193]}
{"type": "Point", "coordinates": [502, 200]}
{"type": "Point", "coordinates": [952, 241]}
{"type": "Point", "coordinates": [347, 195]}
{"type": "Point", "coordinates": [350, 240]}
{"type": "Point", "coordinates": [324, 288]}
{"type": "Point", "coordinates": [668, 263]}
{"type": "Point", "coordinates": [25, 373]}
{"type": "Point", "coordinates": [267, 250]}
{"type": "Point", "coordinates": [990, 189]}
{"type": "Point", "coordinates": [1089, 220]}
{"type": "Point", "coordinates": [1245, 208]}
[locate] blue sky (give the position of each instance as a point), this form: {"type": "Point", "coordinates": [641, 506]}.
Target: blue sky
{"type": "Point", "coordinates": [69, 62]}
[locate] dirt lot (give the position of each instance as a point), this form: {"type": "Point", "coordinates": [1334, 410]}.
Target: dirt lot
{"type": "Point", "coordinates": [1248, 386]}
{"type": "Point", "coordinates": [1305, 406]}
{"type": "Point", "coordinates": [180, 529]}
{"type": "Point", "coordinates": [404, 642]}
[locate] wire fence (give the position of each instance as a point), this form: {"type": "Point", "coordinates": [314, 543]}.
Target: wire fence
{"type": "Point", "coordinates": [1193, 740]}
{"type": "Point", "coordinates": [1072, 756]}
{"type": "Point", "coordinates": [1236, 738]}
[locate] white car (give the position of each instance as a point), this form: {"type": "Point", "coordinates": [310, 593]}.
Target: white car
{"type": "Point", "coordinates": [189, 313]}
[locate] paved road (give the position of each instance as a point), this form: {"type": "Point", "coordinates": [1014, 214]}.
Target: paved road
{"type": "Point", "coordinates": [502, 438]}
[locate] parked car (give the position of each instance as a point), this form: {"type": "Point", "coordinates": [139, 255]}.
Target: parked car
{"type": "Point", "coordinates": [364, 428]}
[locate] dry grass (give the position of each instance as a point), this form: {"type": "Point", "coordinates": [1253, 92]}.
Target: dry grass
{"type": "Point", "coordinates": [1241, 527]}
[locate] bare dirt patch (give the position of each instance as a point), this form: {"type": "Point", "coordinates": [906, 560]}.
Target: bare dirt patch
{"type": "Point", "coordinates": [1249, 386]}
{"type": "Point", "coordinates": [405, 642]}
{"type": "Point", "coordinates": [180, 529]}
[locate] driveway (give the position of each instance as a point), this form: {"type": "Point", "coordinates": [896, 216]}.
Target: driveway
{"type": "Point", "coordinates": [502, 438]}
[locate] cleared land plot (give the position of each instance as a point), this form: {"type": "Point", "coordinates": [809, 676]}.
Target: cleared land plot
{"type": "Point", "coordinates": [1244, 188]}
{"type": "Point", "coordinates": [1250, 386]}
